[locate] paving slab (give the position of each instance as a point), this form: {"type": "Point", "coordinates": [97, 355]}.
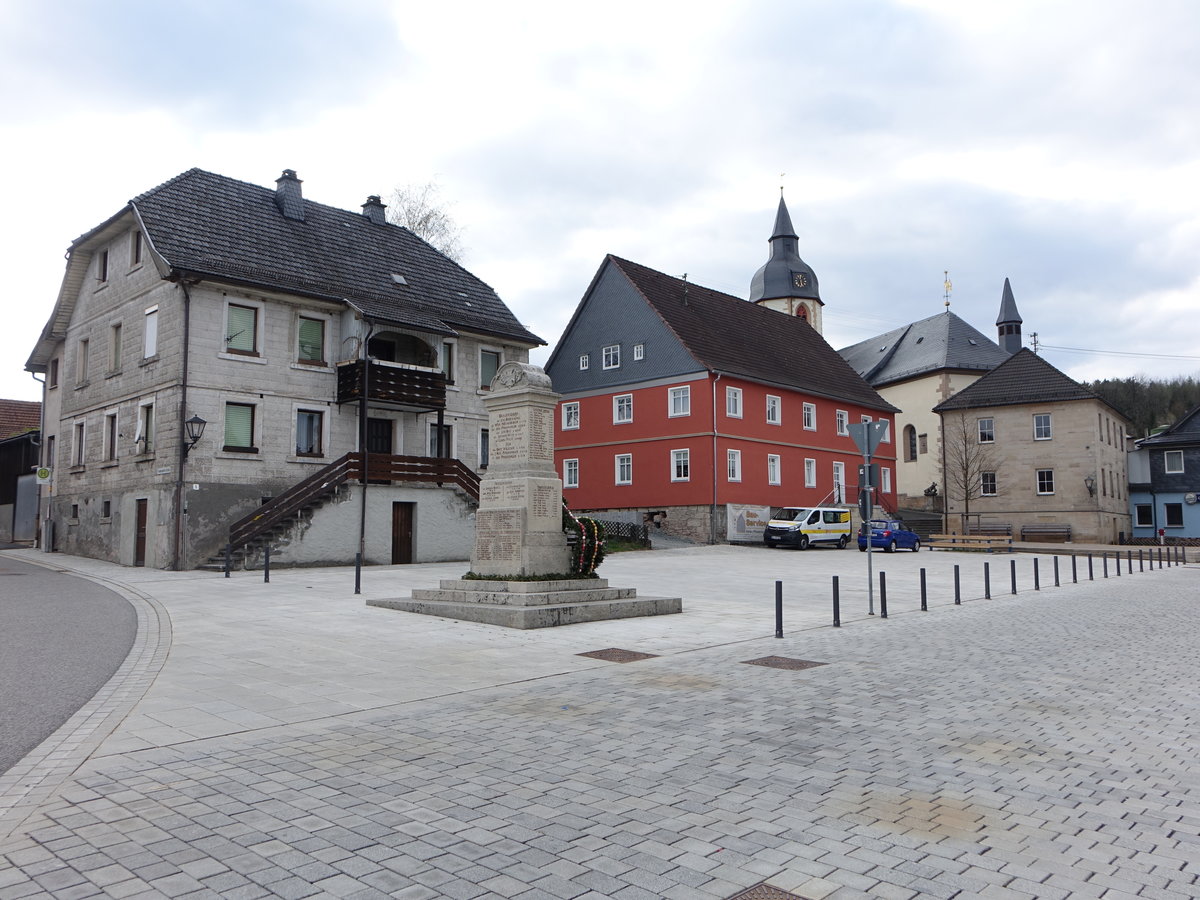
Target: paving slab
{"type": "Point", "coordinates": [265, 737]}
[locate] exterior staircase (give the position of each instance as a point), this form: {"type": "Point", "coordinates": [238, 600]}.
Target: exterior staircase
{"type": "Point", "coordinates": [269, 525]}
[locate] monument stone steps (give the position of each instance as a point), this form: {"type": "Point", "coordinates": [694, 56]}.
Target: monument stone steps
{"type": "Point", "coordinates": [539, 598]}
{"type": "Point", "coordinates": [536, 615]}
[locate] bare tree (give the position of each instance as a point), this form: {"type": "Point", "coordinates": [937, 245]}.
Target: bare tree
{"type": "Point", "coordinates": [965, 460]}
{"type": "Point", "coordinates": [417, 207]}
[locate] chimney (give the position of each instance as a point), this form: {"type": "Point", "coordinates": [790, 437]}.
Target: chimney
{"type": "Point", "coordinates": [288, 197]}
{"type": "Point", "coordinates": [373, 209]}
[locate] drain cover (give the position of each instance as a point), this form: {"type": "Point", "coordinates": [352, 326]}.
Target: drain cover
{"type": "Point", "coordinates": [612, 654]}
{"type": "Point", "coordinates": [782, 662]}
{"type": "Point", "coordinates": [764, 891]}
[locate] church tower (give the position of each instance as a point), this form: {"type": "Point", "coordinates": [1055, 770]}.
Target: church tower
{"type": "Point", "coordinates": [786, 282]}
{"type": "Point", "coordinates": [1008, 323]}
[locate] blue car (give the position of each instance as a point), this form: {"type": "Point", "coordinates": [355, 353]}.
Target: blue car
{"type": "Point", "coordinates": [888, 535]}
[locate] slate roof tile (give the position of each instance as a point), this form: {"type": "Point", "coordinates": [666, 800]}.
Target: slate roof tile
{"type": "Point", "coordinates": [209, 224]}
{"type": "Point", "coordinates": [731, 335]}
{"type": "Point", "coordinates": [939, 342]}
{"type": "Point", "coordinates": [1023, 378]}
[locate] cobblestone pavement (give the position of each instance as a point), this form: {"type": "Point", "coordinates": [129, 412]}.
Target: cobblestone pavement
{"type": "Point", "coordinates": [1036, 745]}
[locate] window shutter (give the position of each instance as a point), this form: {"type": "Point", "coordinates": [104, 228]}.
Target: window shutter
{"type": "Point", "coordinates": [241, 328]}
{"type": "Point", "coordinates": [312, 340]}
{"type": "Point", "coordinates": [239, 425]}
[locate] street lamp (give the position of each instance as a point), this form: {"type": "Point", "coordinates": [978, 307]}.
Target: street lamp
{"type": "Point", "coordinates": [194, 427]}
{"type": "Point", "coordinates": [1090, 483]}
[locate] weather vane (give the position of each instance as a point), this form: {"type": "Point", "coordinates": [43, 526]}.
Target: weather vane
{"type": "Point", "coordinates": [781, 174]}
{"type": "Point", "coordinates": [948, 286]}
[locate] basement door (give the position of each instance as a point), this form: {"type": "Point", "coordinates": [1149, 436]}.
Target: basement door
{"type": "Point", "coordinates": [403, 515]}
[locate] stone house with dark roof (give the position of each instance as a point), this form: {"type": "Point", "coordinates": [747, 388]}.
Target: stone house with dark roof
{"type": "Point", "coordinates": [1027, 447]}
{"type": "Point", "coordinates": [309, 342]}
{"type": "Point", "coordinates": [1164, 483]}
{"type": "Point", "coordinates": [919, 365]}
{"type": "Point", "coordinates": [689, 407]}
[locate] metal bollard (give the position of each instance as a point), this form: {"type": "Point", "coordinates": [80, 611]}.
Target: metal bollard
{"type": "Point", "coordinates": [883, 595]}
{"type": "Point", "coordinates": [1091, 577]}
{"type": "Point", "coordinates": [358, 572]}
{"type": "Point", "coordinates": [1104, 561]}
{"type": "Point", "coordinates": [1056, 583]}
{"type": "Point", "coordinates": [779, 609]}
{"type": "Point", "coordinates": [1074, 571]}
{"type": "Point", "coordinates": [267, 564]}
{"type": "Point", "coordinates": [1129, 561]}
{"type": "Point", "coordinates": [1141, 562]}
{"type": "Point", "coordinates": [837, 612]}
{"type": "Point", "coordinates": [957, 591]}
{"type": "Point", "coordinates": [924, 603]}
{"type": "Point", "coordinates": [1012, 571]}
{"type": "Point", "coordinates": [987, 581]}
{"type": "Point", "coordinates": [1117, 557]}
{"type": "Point", "coordinates": [228, 559]}
{"type": "Point", "coordinates": [1037, 583]}
{"type": "Point", "coordinates": [1160, 557]}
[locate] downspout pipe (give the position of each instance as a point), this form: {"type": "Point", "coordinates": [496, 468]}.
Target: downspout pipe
{"type": "Point", "coordinates": [177, 548]}
{"type": "Point", "coordinates": [712, 515]}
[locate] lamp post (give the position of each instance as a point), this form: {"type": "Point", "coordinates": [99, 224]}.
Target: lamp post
{"type": "Point", "coordinates": [194, 429]}
{"type": "Point", "coordinates": [1090, 483]}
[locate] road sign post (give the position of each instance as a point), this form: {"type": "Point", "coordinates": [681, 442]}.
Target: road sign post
{"type": "Point", "coordinates": [866, 436]}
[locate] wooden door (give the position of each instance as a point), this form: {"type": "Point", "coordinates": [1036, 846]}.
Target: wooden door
{"type": "Point", "coordinates": [402, 532]}
{"type": "Point", "coordinates": [139, 535]}
{"type": "Point", "coordinates": [379, 442]}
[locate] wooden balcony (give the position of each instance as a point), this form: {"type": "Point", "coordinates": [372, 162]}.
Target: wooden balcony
{"type": "Point", "coordinates": [393, 384]}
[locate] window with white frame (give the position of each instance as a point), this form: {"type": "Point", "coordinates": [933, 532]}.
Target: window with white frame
{"type": "Point", "coordinates": [885, 436]}
{"type": "Point", "coordinates": [241, 329]}
{"type": "Point", "coordinates": [612, 356]}
{"type": "Point", "coordinates": [774, 410]}
{"type": "Point", "coordinates": [239, 428]}
{"type": "Point", "coordinates": [52, 374]}
{"type": "Point", "coordinates": [681, 467]}
{"type": "Point", "coordinates": [1143, 515]}
{"type": "Point", "coordinates": [110, 436]}
{"type": "Point", "coordinates": [102, 266]}
{"type": "Point", "coordinates": [987, 431]}
{"type": "Point", "coordinates": [135, 248]}
{"type": "Point", "coordinates": [639, 351]}
{"type": "Point", "coordinates": [309, 426]}
{"type": "Point", "coordinates": [885, 478]}
{"type": "Point", "coordinates": [733, 402]}
{"type": "Point", "coordinates": [81, 362]}
{"type": "Point", "coordinates": [680, 401]}
{"type": "Point", "coordinates": [447, 360]}
{"type": "Point", "coordinates": [1045, 481]}
{"type": "Point", "coordinates": [810, 417]}
{"type": "Point", "coordinates": [987, 484]}
{"type": "Point", "coordinates": [79, 447]}
{"type": "Point", "coordinates": [622, 409]}
{"type": "Point", "coordinates": [810, 473]}
{"type": "Point", "coordinates": [489, 365]}
{"type": "Point", "coordinates": [310, 341]}
{"type": "Point", "coordinates": [843, 423]}
{"type": "Point", "coordinates": [839, 482]}
{"type": "Point", "coordinates": [1173, 462]}
{"type": "Point", "coordinates": [570, 415]}
{"type": "Point", "coordinates": [570, 473]}
{"type": "Point", "coordinates": [447, 434]}
{"type": "Point", "coordinates": [865, 420]}
{"type": "Point", "coordinates": [733, 465]}
{"type": "Point", "coordinates": [150, 333]}
{"type": "Point", "coordinates": [583, 362]}
{"type": "Point", "coordinates": [1041, 427]}
{"type": "Point", "coordinates": [773, 468]}
{"type": "Point", "coordinates": [143, 440]}
{"type": "Point", "coordinates": [624, 468]}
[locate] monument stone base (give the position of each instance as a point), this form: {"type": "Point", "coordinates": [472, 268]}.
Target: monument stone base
{"type": "Point", "coordinates": [531, 604]}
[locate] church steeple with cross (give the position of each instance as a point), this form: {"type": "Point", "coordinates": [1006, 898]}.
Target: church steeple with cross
{"type": "Point", "coordinates": [787, 283]}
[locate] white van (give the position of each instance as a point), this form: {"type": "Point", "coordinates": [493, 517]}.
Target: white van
{"type": "Point", "coordinates": [799, 526]}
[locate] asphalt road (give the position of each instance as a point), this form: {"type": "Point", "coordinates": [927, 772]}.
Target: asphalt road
{"type": "Point", "coordinates": [61, 639]}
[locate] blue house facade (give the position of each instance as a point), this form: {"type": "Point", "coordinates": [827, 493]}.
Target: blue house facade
{"type": "Point", "coordinates": [1164, 483]}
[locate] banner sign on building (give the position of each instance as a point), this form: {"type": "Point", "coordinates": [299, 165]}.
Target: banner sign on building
{"type": "Point", "coordinates": [746, 523]}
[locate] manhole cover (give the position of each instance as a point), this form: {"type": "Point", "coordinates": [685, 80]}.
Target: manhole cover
{"type": "Point", "coordinates": [764, 891]}
{"type": "Point", "coordinates": [782, 662]}
{"type": "Point", "coordinates": [612, 654]}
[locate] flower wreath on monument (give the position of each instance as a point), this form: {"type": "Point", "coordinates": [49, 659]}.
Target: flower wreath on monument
{"type": "Point", "coordinates": [588, 551]}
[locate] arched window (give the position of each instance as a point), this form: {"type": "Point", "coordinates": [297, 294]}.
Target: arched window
{"type": "Point", "coordinates": [910, 443]}
{"type": "Point", "coordinates": [802, 312]}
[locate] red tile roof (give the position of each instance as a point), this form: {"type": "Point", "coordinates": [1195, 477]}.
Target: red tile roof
{"type": "Point", "coordinates": [19, 416]}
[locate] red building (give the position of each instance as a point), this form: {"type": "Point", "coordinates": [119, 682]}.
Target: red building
{"type": "Point", "coordinates": [696, 409]}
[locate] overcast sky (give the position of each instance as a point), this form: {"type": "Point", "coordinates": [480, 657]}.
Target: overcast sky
{"type": "Point", "coordinates": [1055, 144]}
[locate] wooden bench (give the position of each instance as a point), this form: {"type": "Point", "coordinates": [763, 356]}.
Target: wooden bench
{"type": "Point", "coordinates": [985, 542]}
{"type": "Point", "coordinates": [1047, 531]}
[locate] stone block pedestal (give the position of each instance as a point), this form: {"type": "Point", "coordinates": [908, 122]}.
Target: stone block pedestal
{"type": "Point", "coordinates": [531, 604]}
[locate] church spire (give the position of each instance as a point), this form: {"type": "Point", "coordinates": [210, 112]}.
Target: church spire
{"type": "Point", "coordinates": [1008, 323]}
{"type": "Point", "coordinates": [786, 282]}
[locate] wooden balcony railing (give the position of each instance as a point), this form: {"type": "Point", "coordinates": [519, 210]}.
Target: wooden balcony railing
{"type": "Point", "coordinates": [403, 387]}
